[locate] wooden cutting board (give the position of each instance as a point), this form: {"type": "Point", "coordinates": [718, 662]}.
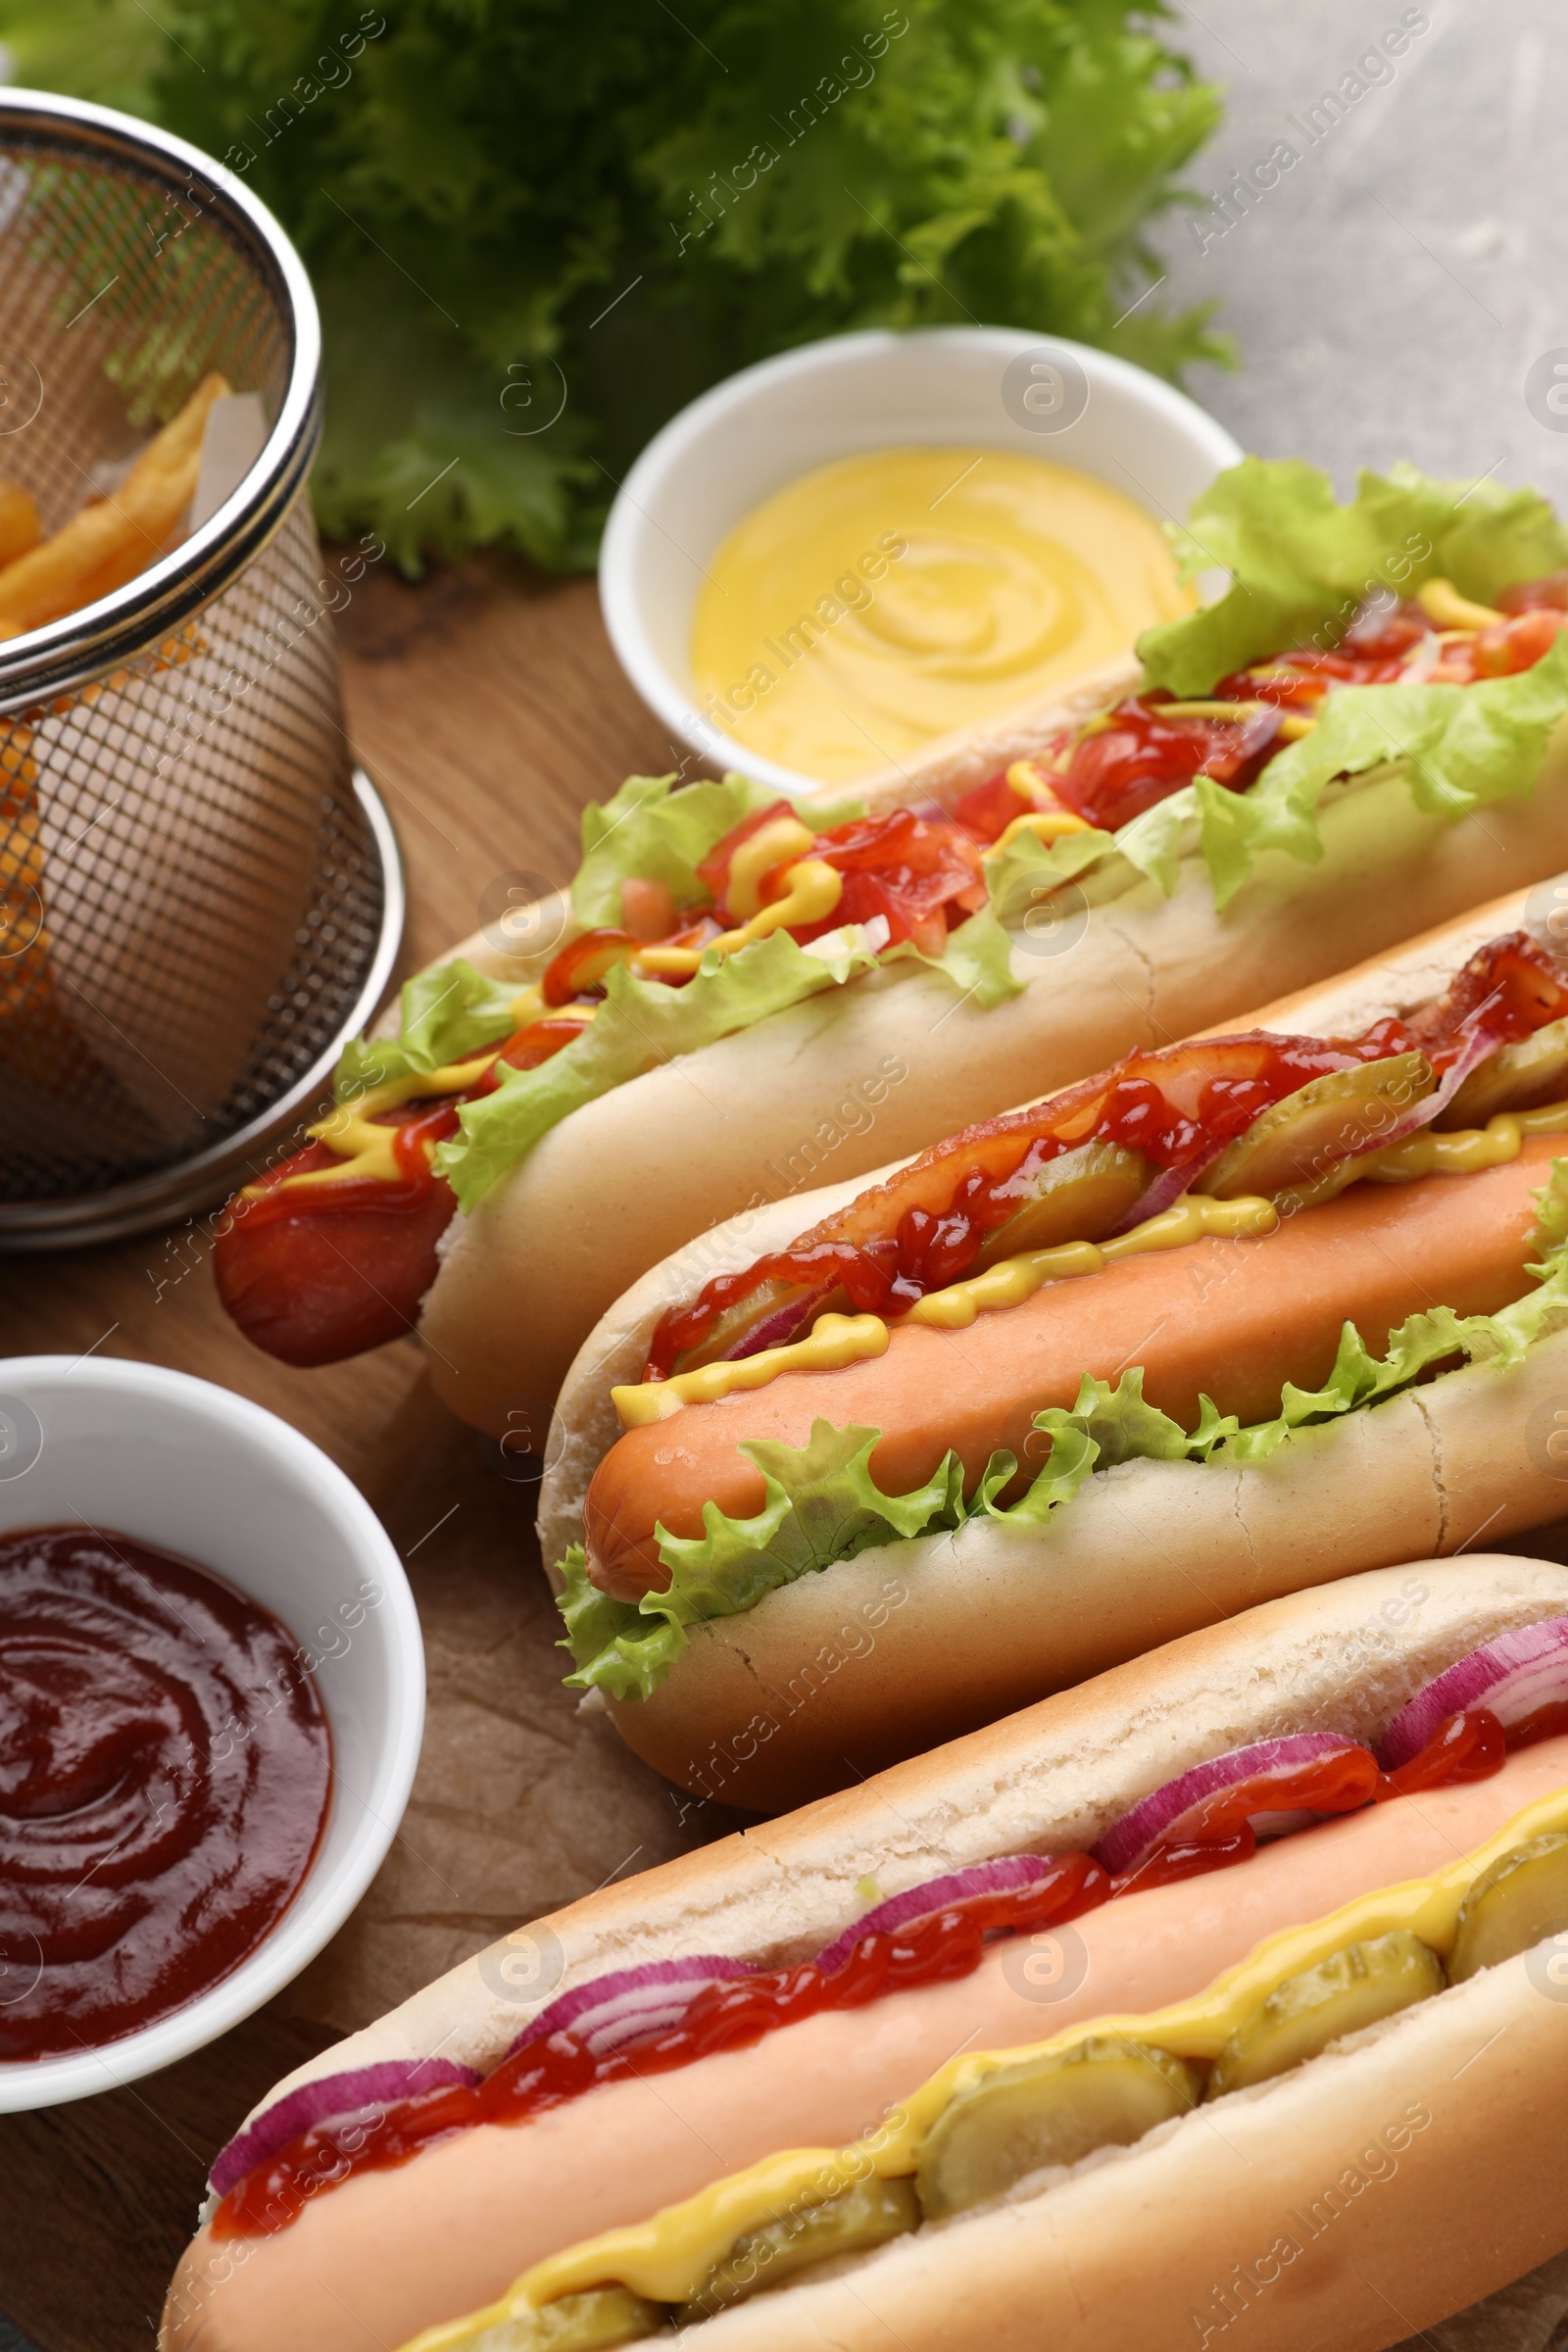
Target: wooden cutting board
{"type": "Point", "coordinates": [487, 706]}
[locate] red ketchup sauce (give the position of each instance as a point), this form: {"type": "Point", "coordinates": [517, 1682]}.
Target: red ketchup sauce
{"type": "Point", "coordinates": [1175, 1104]}
{"type": "Point", "coordinates": [323, 1273]}
{"type": "Point", "coordinates": [739, 2013]}
{"type": "Point", "coordinates": [164, 1778]}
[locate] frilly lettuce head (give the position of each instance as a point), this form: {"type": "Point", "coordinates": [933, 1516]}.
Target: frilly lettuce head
{"type": "Point", "coordinates": [822, 1503]}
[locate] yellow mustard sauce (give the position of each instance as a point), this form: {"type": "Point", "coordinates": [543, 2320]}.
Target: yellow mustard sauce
{"type": "Point", "coordinates": [878, 602]}
{"type": "Point", "coordinates": [666, 2257]}
{"type": "Point", "coordinates": [838, 1339]}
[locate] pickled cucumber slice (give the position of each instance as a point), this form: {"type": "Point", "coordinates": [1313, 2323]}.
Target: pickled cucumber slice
{"type": "Point", "coordinates": [1104, 2093]}
{"type": "Point", "coordinates": [863, 2217]}
{"type": "Point", "coordinates": [1319, 1128]}
{"type": "Point", "coordinates": [1078, 1198]}
{"type": "Point", "coordinates": [590, 2323]}
{"type": "Point", "coordinates": [1522, 1898]}
{"type": "Point", "coordinates": [1350, 1989]}
{"type": "Point", "coordinates": [1520, 1077]}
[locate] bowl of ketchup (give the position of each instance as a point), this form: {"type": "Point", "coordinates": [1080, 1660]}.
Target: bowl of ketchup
{"type": "Point", "coordinates": [212, 1695]}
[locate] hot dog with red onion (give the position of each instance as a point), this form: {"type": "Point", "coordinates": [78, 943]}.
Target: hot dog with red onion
{"type": "Point", "coordinates": [971, 2054]}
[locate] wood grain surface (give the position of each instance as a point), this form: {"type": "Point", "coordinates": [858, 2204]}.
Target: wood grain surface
{"type": "Point", "coordinates": [487, 706]}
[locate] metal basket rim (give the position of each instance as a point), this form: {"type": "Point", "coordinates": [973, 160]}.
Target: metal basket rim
{"type": "Point", "coordinates": [70, 651]}
{"type": "Point", "coordinates": [194, 1183]}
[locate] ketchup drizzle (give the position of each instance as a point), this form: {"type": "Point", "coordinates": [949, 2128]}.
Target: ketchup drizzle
{"type": "Point", "coordinates": [921, 873]}
{"type": "Point", "coordinates": [947, 1944]}
{"type": "Point", "coordinates": [1176, 1104]}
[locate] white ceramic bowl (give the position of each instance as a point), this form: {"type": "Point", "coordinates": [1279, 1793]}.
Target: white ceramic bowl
{"type": "Point", "coordinates": [139, 1450]}
{"type": "Point", "coordinates": [760, 429]}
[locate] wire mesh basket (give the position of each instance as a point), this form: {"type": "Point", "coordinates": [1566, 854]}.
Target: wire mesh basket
{"type": "Point", "coordinates": [199, 896]}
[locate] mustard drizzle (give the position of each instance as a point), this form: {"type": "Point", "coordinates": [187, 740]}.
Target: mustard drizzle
{"type": "Point", "coordinates": [838, 1339]}
{"type": "Point", "coordinates": [667, 2257]}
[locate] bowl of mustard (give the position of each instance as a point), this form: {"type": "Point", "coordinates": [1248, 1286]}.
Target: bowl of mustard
{"type": "Point", "coordinates": [837, 557]}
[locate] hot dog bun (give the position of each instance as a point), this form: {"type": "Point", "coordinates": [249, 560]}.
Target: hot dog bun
{"type": "Point", "coordinates": [1364, 2195]}
{"type": "Point", "coordinates": [834, 1674]}
{"type": "Point", "coordinates": [454, 2221]}
{"type": "Point", "coordinates": [869, 1072]}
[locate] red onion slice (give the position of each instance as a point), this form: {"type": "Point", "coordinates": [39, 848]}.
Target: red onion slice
{"type": "Point", "coordinates": [935, 1895]}
{"type": "Point", "coordinates": [1167, 1186]}
{"type": "Point", "coordinates": [632, 2004]}
{"type": "Point", "coordinates": [1513, 1676]}
{"type": "Point", "coordinates": [332, 2099]}
{"type": "Point", "coordinates": [1179, 1807]}
{"type": "Point", "coordinates": [1479, 1046]}
{"type": "Point", "coordinates": [781, 1326]}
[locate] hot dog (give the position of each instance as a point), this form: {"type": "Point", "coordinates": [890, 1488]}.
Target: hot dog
{"type": "Point", "coordinates": [1012, 2010]}
{"type": "Point", "coordinates": [735, 997]}
{"type": "Point", "coordinates": [1231, 1318]}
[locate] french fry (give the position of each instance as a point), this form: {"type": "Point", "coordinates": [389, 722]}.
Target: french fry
{"type": "Point", "coordinates": [19, 522]}
{"type": "Point", "coordinates": [111, 539]}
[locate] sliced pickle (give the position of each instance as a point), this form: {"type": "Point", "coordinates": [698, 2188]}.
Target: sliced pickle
{"type": "Point", "coordinates": [1520, 1077]}
{"type": "Point", "coordinates": [590, 2323]}
{"type": "Point", "coordinates": [1522, 1898]}
{"type": "Point", "coordinates": [734, 1322]}
{"type": "Point", "coordinates": [1078, 1198]}
{"type": "Point", "coordinates": [1106, 2093]}
{"type": "Point", "coordinates": [865, 2216]}
{"type": "Point", "coordinates": [1350, 1989]}
{"type": "Point", "coordinates": [1334, 1118]}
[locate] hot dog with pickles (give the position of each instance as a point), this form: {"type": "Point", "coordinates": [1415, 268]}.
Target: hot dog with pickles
{"type": "Point", "coordinates": [735, 995]}
{"type": "Point", "coordinates": [978, 2035]}
{"type": "Point", "coordinates": [1230, 1318]}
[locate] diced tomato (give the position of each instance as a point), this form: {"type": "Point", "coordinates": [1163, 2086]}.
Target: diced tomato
{"type": "Point", "coordinates": [538, 1043]}
{"type": "Point", "coordinates": [905, 867]}
{"type": "Point", "coordinates": [1385, 633]}
{"type": "Point", "coordinates": [1286, 686]}
{"type": "Point", "coordinates": [1373, 651]}
{"type": "Point", "coordinates": [713, 871]}
{"type": "Point", "coordinates": [1511, 646]}
{"type": "Point", "coordinates": [1550, 595]}
{"type": "Point", "coordinates": [1142, 758]}
{"type": "Point", "coordinates": [990, 808]}
{"type": "Point", "coordinates": [647, 908]}
{"type": "Point", "coordinates": [582, 965]}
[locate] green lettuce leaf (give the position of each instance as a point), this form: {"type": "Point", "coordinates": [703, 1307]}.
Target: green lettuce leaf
{"type": "Point", "coordinates": [820, 1504]}
{"type": "Point", "coordinates": [649, 830]}
{"type": "Point", "coordinates": [507, 205]}
{"type": "Point", "coordinates": [823, 1506]}
{"type": "Point", "coordinates": [977, 960]}
{"type": "Point", "coordinates": [1464, 746]}
{"type": "Point", "coordinates": [1022, 878]}
{"type": "Point", "coordinates": [447, 1013]}
{"type": "Point", "coordinates": [1300, 563]}
{"type": "Point", "coordinates": [640, 1024]}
